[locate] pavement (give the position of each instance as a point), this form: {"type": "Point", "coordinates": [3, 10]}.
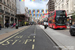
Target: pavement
{"type": "Point", "coordinates": [65, 42]}
{"type": "Point", "coordinates": [5, 32]}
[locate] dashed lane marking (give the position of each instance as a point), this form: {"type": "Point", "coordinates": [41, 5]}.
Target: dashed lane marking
{"type": "Point", "coordinates": [20, 41]}
{"type": "Point", "coordinates": [34, 37]}
{"type": "Point", "coordinates": [33, 40]}
{"type": "Point", "coordinates": [28, 36]}
{"type": "Point", "coordinates": [26, 41]}
{"type": "Point", "coordinates": [32, 46]}
{"type": "Point", "coordinates": [30, 40]}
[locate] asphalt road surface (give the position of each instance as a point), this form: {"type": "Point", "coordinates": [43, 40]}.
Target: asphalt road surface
{"type": "Point", "coordinates": [33, 38]}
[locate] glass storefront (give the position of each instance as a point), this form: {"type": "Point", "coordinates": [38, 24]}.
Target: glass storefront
{"type": "Point", "coordinates": [1, 20]}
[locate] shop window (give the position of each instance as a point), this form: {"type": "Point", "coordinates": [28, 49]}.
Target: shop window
{"type": "Point", "coordinates": [0, 6]}
{"type": "Point", "coordinates": [0, 0]}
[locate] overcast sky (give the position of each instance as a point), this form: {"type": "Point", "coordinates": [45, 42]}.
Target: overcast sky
{"type": "Point", "coordinates": [37, 4]}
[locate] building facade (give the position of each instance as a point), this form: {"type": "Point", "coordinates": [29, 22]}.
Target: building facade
{"type": "Point", "coordinates": [26, 11]}
{"type": "Point", "coordinates": [22, 13]}
{"type": "Point", "coordinates": [68, 5]}
{"type": "Point", "coordinates": [7, 12]}
{"type": "Point", "coordinates": [51, 6]}
{"type": "Point", "coordinates": [20, 7]}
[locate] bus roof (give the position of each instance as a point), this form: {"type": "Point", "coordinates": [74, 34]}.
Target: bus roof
{"type": "Point", "coordinates": [54, 11]}
{"type": "Point", "coordinates": [58, 10]}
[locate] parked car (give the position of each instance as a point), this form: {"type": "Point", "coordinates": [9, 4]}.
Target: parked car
{"type": "Point", "coordinates": [72, 30]}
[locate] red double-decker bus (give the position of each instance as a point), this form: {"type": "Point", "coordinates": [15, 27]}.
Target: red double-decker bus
{"type": "Point", "coordinates": [57, 19]}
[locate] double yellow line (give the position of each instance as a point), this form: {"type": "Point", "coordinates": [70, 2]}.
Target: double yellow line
{"type": "Point", "coordinates": [13, 36]}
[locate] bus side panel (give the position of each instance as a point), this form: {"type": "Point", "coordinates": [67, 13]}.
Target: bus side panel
{"type": "Point", "coordinates": [55, 27]}
{"type": "Point", "coordinates": [49, 25]}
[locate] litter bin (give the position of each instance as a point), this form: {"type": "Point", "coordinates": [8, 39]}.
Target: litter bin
{"type": "Point", "coordinates": [16, 27]}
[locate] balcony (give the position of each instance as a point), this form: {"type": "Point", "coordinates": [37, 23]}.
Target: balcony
{"type": "Point", "coordinates": [12, 14]}
{"type": "Point", "coordinates": [1, 11]}
{"type": "Point", "coordinates": [7, 13]}
{"type": "Point", "coordinates": [4, 3]}
{"type": "Point", "coordinates": [8, 5]}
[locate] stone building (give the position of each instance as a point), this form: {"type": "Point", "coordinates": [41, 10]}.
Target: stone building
{"type": "Point", "coordinates": [7, 12]}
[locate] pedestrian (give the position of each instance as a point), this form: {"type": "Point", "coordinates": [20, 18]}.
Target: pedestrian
{"type": "Point", "coordinates": [7, 25]}
{"type": "Point", "coordinates": [12, 25]}
{"type": "Point", "coordinates": [0, 26]}
{"type": "Point", "coordinates": [16, 26]}
{"type": "Point", "coordinates": [45, 25]}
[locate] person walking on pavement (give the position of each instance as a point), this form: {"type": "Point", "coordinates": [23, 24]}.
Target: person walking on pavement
{"type": "Point", "coordinates": [7, 25]}
{"type": "Point", "coordinates": [0, 26]}
{"type": "Point", "coordinates": [12, 25]}
{"type": "Point", "coordinates": [45, 25]}
{"type": "Point", "coordinates": [16, 26]}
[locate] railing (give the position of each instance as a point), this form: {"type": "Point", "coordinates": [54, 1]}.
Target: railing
{"type": "Point", "coordinates": [7, 13]}
{"type": "Point", "coordinates": [12, 14]}
{"type": "Point", "coordinates": [1, 11]}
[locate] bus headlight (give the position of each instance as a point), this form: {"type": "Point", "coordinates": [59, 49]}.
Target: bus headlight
{"type": "Point", "coordinates": [53, 20]}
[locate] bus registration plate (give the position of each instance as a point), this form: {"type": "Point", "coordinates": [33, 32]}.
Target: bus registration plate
{"type": "Point", "coordinates": [60, 26]}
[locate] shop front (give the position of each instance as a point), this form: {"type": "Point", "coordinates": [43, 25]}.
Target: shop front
{"type": "Point", "coordinates": [1, 20]}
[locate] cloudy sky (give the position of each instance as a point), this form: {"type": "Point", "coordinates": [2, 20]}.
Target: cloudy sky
{"type": "Point", "coordinates": [37, 4]}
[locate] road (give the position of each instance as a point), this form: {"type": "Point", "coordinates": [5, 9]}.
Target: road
{"type": "Point", "coordinates": [33, 38]}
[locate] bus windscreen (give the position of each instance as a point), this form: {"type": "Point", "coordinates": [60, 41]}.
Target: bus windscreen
{"type": "Point", "coordinates": [60, 12]}
{"type": "Point", "coordinates": [60, 17]}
